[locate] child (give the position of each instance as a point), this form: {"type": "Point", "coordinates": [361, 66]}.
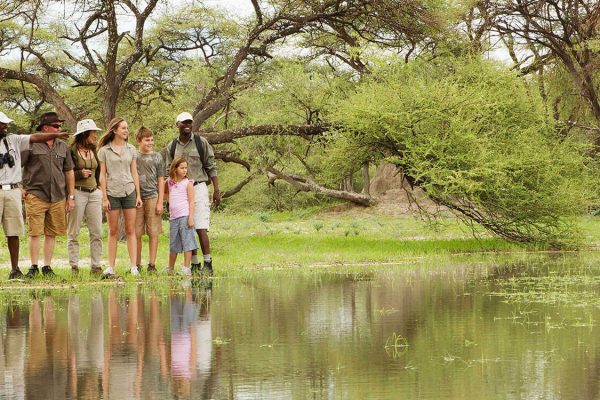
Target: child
{"type": "Point", "coordinates": [150, 168]}
{"type": "Point", "coordinates": [180, 192]}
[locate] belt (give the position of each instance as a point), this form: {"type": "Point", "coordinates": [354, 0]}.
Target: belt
{"type": "Point", "coordinates": [85, 189]}
{"type": "Point", "coordinates": [198, 182]}
{"type": "Point", "coordinates": [9, 186]}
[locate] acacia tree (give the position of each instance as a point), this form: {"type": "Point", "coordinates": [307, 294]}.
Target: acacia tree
{"type": "Point", "coordinates": [101, 50]}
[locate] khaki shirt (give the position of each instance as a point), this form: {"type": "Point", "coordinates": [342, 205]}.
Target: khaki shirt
{"type": "Point", "coordinates": [44, 170]}
{"type": "Point", "coordinates": [119, 181]}
{"type": "Point", "coordinates": [199, 169]}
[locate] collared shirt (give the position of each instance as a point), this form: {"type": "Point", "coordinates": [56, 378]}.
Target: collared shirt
{"type": "Point", "coordinates": [150, 167]}
{"type": "Point", "coordinates": [44, 170]}
{"type": "Point", "coordinates": [16, 144]}
{"type": "Point", "coordinates": [119, 181]}
{"type": "Point", "coordinates": [199, 169]}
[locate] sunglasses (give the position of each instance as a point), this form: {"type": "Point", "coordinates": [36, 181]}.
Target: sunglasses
{"type": "Point", "coordinates": [57, 126]}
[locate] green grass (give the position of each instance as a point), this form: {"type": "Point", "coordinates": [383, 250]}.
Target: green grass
{"type": "Point", "coordinates": [312, 238]}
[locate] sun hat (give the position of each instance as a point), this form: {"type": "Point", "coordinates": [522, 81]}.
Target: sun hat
{"type": "Point", "coordinates": [86, 125]}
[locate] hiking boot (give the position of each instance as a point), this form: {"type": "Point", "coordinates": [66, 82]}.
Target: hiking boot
{"type": "Point", "coordinates": [15, 274]}
{"type": "Point", "coordinates": [95, 271]}
{"type": "Point", "coordinates": [33, 271]}
{"type": "Point", "coordinates": [47, 271]}
{"type": "Point", "coordinates": [207, 268]}
{"type": "Point", "coordinates": [151, 269]}
{"type": "Point", "coordinates": [196, 268]}
{"type": "Point", "coordinates": [74, 271]}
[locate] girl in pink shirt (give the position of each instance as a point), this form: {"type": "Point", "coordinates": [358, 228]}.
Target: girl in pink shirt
{"type": "Point", "coordinates": [180, 192]}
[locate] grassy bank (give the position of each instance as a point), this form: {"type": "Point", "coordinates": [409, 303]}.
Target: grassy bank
{"type": "Point", "coordinates": [306, 238]}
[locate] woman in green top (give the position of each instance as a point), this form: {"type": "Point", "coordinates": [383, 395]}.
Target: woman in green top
{"type": "Point", "coordinates": [88, 197]}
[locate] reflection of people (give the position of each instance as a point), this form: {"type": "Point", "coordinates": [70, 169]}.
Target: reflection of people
{"type": "Point", "coordinates": [12, 356]}
{"type": "Point", "coordinates": [183, 315]}
{"type": "Point", "coordinates": [151, 169]}
{"type": "Point", "coordinates": [11, 212]}
{"type": "Point", "coordinates": [88, 197]}
{"type": "Point", "coordinates": [120, 189]}
{"type": "Point", "coordinates": [202, 167]}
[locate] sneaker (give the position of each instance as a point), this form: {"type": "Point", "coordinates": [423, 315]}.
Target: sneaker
{"type": "Point", "coordinates": [15, 274]}
{"type": "Point", "coordinates": [196, 268]}
{"type": "Point", "coordinates": [151, 269]}
{"type": "Point", "coordinates": [185, 271]}
{"type": "Point", "coordinates": [207, 268]}
{"type": "Point", "coordinates": [166, 271]}
{"type": "Point", "coordinates": [33, 271]}
{"type": "Point", "coordinates": [47, 271]}
{"type": "Point", "coordinates": [108, 273]}
{"type": "Point", "coordinates": [134, 271]}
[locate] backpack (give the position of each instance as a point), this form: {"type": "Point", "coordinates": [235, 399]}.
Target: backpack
{"type": "Point", "coordinates": [197, 142]}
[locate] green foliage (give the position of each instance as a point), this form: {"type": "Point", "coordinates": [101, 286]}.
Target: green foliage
{"type": "Point", "coordinates": [477, 140]}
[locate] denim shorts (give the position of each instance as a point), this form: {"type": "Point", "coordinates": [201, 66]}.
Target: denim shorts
{"type": "Point", "coordinates": [182, 238]}
{"type": "Point", "coordinates": [122, 202]}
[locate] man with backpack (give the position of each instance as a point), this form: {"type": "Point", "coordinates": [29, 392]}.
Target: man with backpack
{"type": "Point", "coordinates": [202, 169]}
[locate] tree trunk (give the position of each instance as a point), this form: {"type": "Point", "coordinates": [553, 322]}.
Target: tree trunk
{"type": "Point", "coordinates": [366, 179]}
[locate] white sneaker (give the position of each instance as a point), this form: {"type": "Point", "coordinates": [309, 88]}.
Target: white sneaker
{"type": "Point", "coordinates": [108, 271]}
{"type": "Point", "coordinates": [185, 271]}
{"type": "Point", "coordinates": [134, 271]}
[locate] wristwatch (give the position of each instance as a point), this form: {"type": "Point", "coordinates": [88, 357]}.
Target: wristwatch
{"type": "Point", "coordinates": [71, 197]}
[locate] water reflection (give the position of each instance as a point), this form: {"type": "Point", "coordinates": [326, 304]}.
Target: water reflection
{"type": "Point", "coordinates": [321, 335]}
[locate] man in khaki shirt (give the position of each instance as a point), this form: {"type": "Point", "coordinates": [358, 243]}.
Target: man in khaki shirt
{"type": "Point", "coordinates": [11, 213]}
{"type": "Point", "coordinates": [48, 179]}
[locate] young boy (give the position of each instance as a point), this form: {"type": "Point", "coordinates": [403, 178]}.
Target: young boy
{"type": "Point", "coordinates": [151, 167]}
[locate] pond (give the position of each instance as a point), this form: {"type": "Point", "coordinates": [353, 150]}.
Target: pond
{"type": "Point", "coordinates": [485, 329]}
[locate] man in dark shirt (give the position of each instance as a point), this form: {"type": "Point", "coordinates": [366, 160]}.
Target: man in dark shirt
{"type": "Point", "coordinates": [11, 212]}
{"type": "Point", "coordinates": [48, 179]}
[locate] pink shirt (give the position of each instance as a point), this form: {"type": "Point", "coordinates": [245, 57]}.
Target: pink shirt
{"type": "Point", "coordinates": [178, 198]}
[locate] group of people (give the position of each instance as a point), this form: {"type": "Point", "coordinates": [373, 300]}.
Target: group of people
{"type": "Point", "coordinates": [64, 184]}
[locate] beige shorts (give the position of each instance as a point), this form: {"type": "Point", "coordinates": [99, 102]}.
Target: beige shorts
{"type": "Point", "coordinates": [146, 221]}
{"type": "Point", "coordinates": [11, 212]}
{"type": "Point", "coordinates": [44, 217]}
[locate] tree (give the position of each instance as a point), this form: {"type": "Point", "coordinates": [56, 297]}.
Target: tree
{"type": "Point", "coordinates": [477, 141]}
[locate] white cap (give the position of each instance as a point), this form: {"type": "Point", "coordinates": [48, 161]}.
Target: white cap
{"type": "Point", "coordinates": [4, 119]}
{"type": "Point", "coordinates": [184, 116]}
{"type": "Point", "coordinates": [86, 125]}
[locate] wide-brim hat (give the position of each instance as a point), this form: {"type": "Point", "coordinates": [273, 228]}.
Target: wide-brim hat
{"type": "Point", "coordinates": [4, 118]}
{"type": "Point", "coordinates": [47, 119]}
{"type": "Point", "coordinates": [86, 125]}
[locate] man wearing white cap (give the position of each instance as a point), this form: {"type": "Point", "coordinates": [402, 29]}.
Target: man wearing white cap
{"type": "Point", "coordinates": [201, 168]}
{"type": "Point", "coordinates": [88, 197]}
{"type": "Point", "coordinates": [11, 212]}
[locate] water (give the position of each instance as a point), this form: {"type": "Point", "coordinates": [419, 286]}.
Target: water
{"type": "Point", "coordinates": [486, 330]}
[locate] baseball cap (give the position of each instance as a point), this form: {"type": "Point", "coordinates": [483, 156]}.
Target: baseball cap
{"type": "Point", "coordinates": [4, 119]}
{"type": "Point", "coordinates": [86, 125]}
{"type": "Point", "coordinates": [184, 116]}
{"type": "Point", "coordinates": [47, 119]}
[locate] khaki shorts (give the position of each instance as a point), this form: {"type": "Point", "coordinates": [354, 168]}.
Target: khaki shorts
{"type": "Point", "coordinates": [11, 212]}
{"type": "Point", "coordinates": [146, 221]}
{"type": "Point", "coordinates": [201, 206]}
{"type": "Point", "coordinates": [44, 217]}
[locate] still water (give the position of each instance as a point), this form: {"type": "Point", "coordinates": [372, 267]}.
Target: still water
{"type": "Point", "coordinates": [524, 329]}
